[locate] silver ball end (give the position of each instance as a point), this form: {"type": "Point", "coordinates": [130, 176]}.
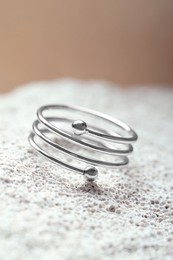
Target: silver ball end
{"type": "Point", "coordinates": [91, 173]}
{"type": "Point", "coordinates": [79, 127]}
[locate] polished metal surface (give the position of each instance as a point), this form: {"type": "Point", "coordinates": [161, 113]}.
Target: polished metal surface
{"type": "Point", "coordinates": [90, 137]}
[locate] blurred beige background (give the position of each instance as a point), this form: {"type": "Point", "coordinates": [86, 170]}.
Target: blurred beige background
{"type": "Point", "coordinates": [127, 42]}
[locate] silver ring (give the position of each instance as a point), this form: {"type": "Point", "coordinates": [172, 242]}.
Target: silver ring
{"type": "Point", "coordinates": [86, 133]}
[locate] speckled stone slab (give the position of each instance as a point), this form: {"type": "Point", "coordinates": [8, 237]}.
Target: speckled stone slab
{"type": "Point", "coordinates": [47, 212]}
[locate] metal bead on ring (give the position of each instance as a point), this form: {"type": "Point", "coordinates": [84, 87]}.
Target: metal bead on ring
{"type": "Point", "coordinates": [79, 127]}
{"type": "Point", "coordinates": [95, 138]}
{"type": "Point", "coordinates": [91, 173]}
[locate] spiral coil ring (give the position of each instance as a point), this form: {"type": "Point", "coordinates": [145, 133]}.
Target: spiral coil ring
{"type": "Point", "coordinates": [96, 139]}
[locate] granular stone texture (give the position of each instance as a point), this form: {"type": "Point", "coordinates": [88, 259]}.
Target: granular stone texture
{"type": "Point", "coordinates": [47, 212]}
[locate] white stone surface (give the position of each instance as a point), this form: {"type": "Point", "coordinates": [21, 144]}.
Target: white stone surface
{"type": "Point", "coordinates": [46, 212]}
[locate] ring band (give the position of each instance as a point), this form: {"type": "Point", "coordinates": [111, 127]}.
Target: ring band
{"type": "Point", "coordinates": [84, 135]}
